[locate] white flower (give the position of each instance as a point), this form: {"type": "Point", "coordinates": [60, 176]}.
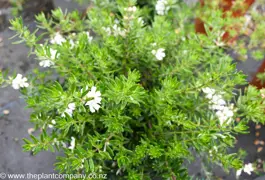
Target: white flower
{"type": "Point", "coordinates": [107, 30]}
{"type": "Point", "coordinates": [216, 107]}
{"type": "Point", "coordinates": [55, 141]}
{"type": "Point", "coordinates": [140, 21]}
{"type": "Point", "coordinates": [95, 99]}
{"type": "Point", "coordinates": [50, 126]}
{"type": "Point", "coordinates": [225, 115]}
{"type": "Point", "coordinates": [69, 110]}
{"type": "Point", "coordinates": [122, 33]}
{"type": "Point", "coordinates": [53, 122]}
{"type": "Point", "coordinates": [209, 93]}
{"type": "Point", "coordinates": [57, 39]}
{"type": "Point", "coordinates": [72, 143]}
{"type": "Point", "coordinates": [89, 37]}
{"type": "Point", "coordinates": [228, 112]}
{"type": "Point", "coordinates": [63, 144]}
{"type": "Point", "coordinates": [48, 61]}
{"type": "Point", "coordinates": [19, 82]}
{"type": "Point", "coordinates": [161, 7]}
{"type": "Point", "coordinates": [238, 172]}
{"type": "Point", "coordinates": [116, 31]}
{"type": "Point", "coordinates": [116, 21]}
{"type": "Point", "coordinates": [159, 54]}
{"type": "Point", "coordinates": [153, 44]}
{"type": "Point", "coordinates": [71, 106]}
{"type": "Point", "coordinates": [53, 53]}
{"type": "Point", "coordinates": [72, 43]}
{"type": "Point", "coordinates": [208, 90]}
{"type": "Point", "coordinates": [217, 99]}
{"type": "Point", "coordinates": [248, 168]}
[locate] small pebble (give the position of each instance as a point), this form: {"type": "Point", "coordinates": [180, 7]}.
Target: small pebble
{"type": "Point", "coordinates": [6, 112]}
{"type": "Point", "coordinates": [258, 166]}
{"type": "Point", "coordinates": [31, 130]}
{"type": "Point", "coordinates": [261, 143]}
{"type": "Point", "coordinates": [257, 126]}
{"type": "Point", "coordinates": [257, 134]}
{"type": "Point", "coordinates": [256, 142]}
{"type": "Point", "coordinates": [259, 149]}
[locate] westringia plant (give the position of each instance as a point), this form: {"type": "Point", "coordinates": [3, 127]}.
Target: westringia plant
{"type": "Point", "coordinates": [132, 96]}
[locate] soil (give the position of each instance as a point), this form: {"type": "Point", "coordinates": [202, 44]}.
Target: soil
{"type": "Point", "coordinates": [14, 124]}
{"type": "Point", "coordinates": [14, 117]}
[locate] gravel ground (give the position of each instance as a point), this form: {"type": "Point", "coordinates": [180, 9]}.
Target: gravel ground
{"type": "Point", "coordinates": [14, 117]}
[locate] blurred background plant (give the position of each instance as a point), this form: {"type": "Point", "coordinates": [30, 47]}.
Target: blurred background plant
{"type": "Point", "coordinates": [17, 6]}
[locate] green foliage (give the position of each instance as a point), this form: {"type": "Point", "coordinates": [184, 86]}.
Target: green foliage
{"type": "Point", "coordinates": [151, 109]}
{"type": "Point", "coordinates": [17, 6]}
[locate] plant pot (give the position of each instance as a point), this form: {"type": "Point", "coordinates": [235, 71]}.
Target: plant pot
{"type": "Point", "coordinates": [226, 5]}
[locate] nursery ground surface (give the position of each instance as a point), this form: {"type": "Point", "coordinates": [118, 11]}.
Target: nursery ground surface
{"type": "Point", "coordinates": [14, 124]}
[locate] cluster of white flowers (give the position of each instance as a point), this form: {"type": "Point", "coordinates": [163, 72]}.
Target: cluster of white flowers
{"type": "Point", "coordinates": [58, 39]}
{"type": "Point", "coordinates": [20, 82]}
{"type": "Point", "coordinates": [248, 168]}
{"type": "Point", "coordinates": [131, 9]}
{"type": "Point", "coordinates": [69, 110]}
{"type": "Point", "coordinates": [48, 61]}
{"type": "Point", "coordinates": [118, 31]}
{"type": "Point", "coordinates": [72, 143]}
{"type": "Point", "coordinates": [93, 98]}
{"type": "Point", "coordinates": [130, 13]}
{"type": "Point", "coordinates": [159, 54]}
{"type": "Point", "coordinates": [217, 103]}
{"type": "Point", "coordinates": [115, 30]}
{"type": "Point", "coordinates": [162, 7]}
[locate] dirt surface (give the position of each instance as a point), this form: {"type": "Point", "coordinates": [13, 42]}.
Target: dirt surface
{"type": "Point", "coordinates": [14, 117]}
{"type": "Point", "coordinates": [14, 125]}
